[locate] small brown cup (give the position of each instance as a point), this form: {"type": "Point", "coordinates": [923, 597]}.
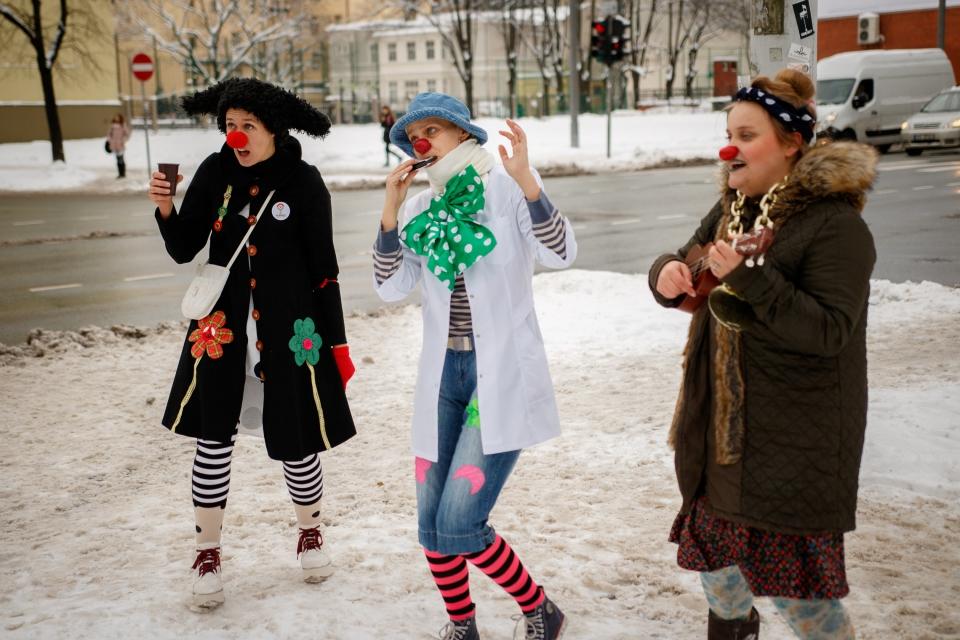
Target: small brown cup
{"type": "Point", "coordinates": [170, 170]}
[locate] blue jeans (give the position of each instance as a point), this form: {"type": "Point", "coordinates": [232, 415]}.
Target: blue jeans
{"type": "Point", "coordinates": [456, 493]}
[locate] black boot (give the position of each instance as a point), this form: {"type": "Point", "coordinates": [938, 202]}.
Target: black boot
{"type": "Point", "coordinates": [740, 629]}
{"type": "Point", "coordinates": [121, 167]}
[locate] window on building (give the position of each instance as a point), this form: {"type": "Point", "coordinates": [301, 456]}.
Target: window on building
{"type": "Point", "coordinates": [392, 51]}
{"type": "Point", "coordinates": [411, 51]}
{"type": "Point", "coordinates": [431, 85]}
{"type": "Point", "coordinates": [430, 50]}
{"type": "Point", "coordinates": [392, 92]}
{"type": "Point", "coordinates": [411, 88]}
{"type": "Point", "coordinates": [316, 60]}
{"type": "Point", "coordinates": [374, 53]}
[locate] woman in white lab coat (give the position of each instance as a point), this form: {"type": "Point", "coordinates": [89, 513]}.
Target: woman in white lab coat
{"type": "Point", "coordinates": [483, 387]}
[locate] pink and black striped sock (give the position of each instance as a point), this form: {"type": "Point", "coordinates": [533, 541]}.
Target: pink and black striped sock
{"type": "Point", "coordinates": [453, 579]}
{"type": "Point", "coordinates": [503, 565]}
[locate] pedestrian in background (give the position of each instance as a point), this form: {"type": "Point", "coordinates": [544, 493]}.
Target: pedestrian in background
{"type": "Point", "coordinates": [387, 120]}
{"type": "Point", "coordinates": [117, 137]}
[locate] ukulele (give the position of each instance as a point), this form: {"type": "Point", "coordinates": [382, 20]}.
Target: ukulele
{"type": "Point", "coordinates": [753, 245]}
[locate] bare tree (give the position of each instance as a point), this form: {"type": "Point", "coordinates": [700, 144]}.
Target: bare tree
{"type": "Point", "coordinates": [586, 62]}
{"type": "Point", "coordinates": [539, 42]}
{"type": "Point", "coordinates": [554, 16]}
{"type": "Point", "coordinates": [47, 48]}
{"type": "Point", "coordinates": [700, 32]}
{"type": "Point", "coordinates": [215, 40]}
{"type": "Point", "coordinates": [510, 24]}
{"type": "Point", "coordinates": [642, 30]}
{"type": "Point", "coordinates": [453, 20]}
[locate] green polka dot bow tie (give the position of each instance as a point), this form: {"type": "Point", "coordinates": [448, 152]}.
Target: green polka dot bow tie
{"type": "Point", "coordinates": [446, 234]}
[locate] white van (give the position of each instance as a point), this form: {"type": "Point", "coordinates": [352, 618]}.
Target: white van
{"type": "Point", "coordinates": [866, 95]}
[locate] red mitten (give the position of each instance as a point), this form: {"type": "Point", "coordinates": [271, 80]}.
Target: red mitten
{"type": "Point", "coordinates": [341, 355]}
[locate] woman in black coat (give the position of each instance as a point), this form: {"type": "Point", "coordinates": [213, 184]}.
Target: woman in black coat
{"type": "Point", "coordinates": [273, 352]}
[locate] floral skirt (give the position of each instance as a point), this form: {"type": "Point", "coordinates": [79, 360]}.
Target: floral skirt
{"type": "Point", "coordinates": [773, 564]}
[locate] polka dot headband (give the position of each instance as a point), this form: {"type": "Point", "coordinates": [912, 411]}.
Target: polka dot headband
{"type": "Point", "coordinates": [793, 118]}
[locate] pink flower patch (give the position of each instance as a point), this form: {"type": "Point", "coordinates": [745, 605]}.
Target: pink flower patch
{"type": "Point", "coordinates": [421, 467]}
{"type": "Point", "coordinates": [307, 344]}
{"type": "Point", "coordinates": [474, 475]}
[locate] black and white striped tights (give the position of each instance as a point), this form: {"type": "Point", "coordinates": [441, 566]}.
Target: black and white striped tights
{"type": "Point", "coordinates": [211, 485]}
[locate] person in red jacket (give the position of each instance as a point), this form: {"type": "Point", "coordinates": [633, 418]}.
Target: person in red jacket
{"type": "Point", "coordinates": [273, 352]}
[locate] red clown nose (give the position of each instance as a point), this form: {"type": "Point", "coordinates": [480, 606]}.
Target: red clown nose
{"type": "Point", "coordinates": [729, 152]}
{"type": "Point", "coordinates": [237, 140]}
{"type": "Point", "coordinates": [421, 146]}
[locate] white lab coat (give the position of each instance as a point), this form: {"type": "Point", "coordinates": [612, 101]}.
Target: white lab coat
{"type": "Point", "coordinates": [515, 395]}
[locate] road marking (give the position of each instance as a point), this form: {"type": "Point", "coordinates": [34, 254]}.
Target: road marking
{"type": "Point", "coordinates": [141, 215]}
{"type": "Point", "coordinates": [901, 167]}
{"type": "Point", "coordinates": [26, 223]}
{"type": "Point", "coordinates": [628, 221]}
{"type": "Point", "coordinates": [923, 188]}
{"type": "Point", "coordinates": [580, 225]}
{"type": "Point", "coordinates": [675, 216]}
{"type": "Point", "coordinates": [953, 184]}
{"type": "Point", "coordinates": [151, 276]}
{"type": "Point", "coordinates": [883, 192]}
{"type": "Point", "coordinates": [952, 167]}
{"type": "Point", "coordinates": [90, 218]}
{"type": "Point", "coordinates": [55, 287]}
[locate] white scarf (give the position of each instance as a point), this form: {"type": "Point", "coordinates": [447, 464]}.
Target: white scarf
{"type": "Point", "coordinates": [466, 153]}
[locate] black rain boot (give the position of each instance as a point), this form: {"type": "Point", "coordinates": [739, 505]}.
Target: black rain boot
{"type": "Point", "coordinates": [121, 167]}
{"type": "Point", "coordinates": [740, 629]}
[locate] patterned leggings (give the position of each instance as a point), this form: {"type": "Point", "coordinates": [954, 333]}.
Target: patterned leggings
{"type": "Point", "coordinates": [729, 597]}
{"type": "Point", "coordinates": [211, 475]}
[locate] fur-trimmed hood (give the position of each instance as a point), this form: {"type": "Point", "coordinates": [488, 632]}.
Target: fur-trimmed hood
{"type": "Point", "coordinates": [843, 170]}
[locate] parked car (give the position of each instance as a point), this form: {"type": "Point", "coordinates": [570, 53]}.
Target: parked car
{"type": "Point", "coordinates": [866, 95]}
{"type": "Point", "coordinates": [936, 126]}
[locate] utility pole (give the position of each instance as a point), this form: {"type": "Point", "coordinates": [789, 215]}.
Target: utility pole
{"type": "Point", "coordinates": [941, 25]}
{"type": "Point", "coordinates": [574, 83]}
{"type": "Point", "coordinates": [782, 34]}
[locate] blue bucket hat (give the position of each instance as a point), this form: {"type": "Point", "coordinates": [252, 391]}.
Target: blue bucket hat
{"type": "Point", "coordinates": [434, 105]}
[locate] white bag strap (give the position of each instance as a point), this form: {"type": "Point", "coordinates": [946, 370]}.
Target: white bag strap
{"type": "Point", "coordinates": [250, 230]}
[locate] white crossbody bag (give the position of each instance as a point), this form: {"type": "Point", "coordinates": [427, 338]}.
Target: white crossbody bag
{"type": "Point", "coordinates": [207, 284]}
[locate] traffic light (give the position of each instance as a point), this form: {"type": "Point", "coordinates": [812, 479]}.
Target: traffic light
{"type": "Point", "coordinates": [598, 30]}
{"type": "Point", "coordinates": [608, 38]}
{"type": "Point", "coordinates": [617, 35]}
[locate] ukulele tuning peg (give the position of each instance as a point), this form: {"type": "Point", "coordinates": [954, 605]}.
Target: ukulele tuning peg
{"type": "Point", "coordinates": [760, 260]}
{"type": "Point", "coordinates": [750, 262]}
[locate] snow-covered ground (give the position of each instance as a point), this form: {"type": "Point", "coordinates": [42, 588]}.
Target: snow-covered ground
{"type": "Point", "coordinates": [97, 527]}
{"type": "Point", "coordinates": [352, 155]}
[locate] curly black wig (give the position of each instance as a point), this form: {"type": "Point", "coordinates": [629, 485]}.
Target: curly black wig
{"type": "Point", "coordinates": [278, 109]}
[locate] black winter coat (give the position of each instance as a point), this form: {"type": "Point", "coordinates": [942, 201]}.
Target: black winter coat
{"type": "Point", "coordinates": [290, 268]}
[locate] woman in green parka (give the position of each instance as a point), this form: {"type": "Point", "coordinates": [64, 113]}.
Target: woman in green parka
{"type": "Point", "coordinates": [273, 352]}
{"type": "Point", "coordinates": [769, 425]}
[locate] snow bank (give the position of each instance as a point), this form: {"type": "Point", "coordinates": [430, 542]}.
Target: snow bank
{"type": "Point", "coordinates": [98, 530]}
{"type": "Point", "coordinates": [352, 155]}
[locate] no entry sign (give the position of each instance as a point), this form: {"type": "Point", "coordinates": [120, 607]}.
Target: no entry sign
{"type": "Point", "coordinates": [142, 67]}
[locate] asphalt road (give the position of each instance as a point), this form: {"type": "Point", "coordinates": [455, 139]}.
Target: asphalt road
{"type": "Point", "coordinates": [71, 261]}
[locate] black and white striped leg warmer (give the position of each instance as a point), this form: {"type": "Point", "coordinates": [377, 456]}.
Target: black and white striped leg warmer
{"type": "Point", "coordinates": [211, 472]}
{"type": "Point", "coordinates": [304, 479]}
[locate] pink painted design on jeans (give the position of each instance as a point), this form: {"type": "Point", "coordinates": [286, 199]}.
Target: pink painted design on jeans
{"type": "Point", "coordinates": [473, 474]}
{"type": "Point", "coordinates": [422, 466]}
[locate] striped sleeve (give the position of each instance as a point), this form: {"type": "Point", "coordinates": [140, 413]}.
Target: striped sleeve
{"type": "Point", "coordinates": [387, 255]}
{"type": "Point", "coordinates": [548, 225]}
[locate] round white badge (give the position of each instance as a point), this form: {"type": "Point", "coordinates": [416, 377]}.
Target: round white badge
{"type": "Point", "coordinates": [280, 211]}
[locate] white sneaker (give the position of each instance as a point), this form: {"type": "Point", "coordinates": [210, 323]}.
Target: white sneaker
{"type": "Point", "coordinates": [314, 561]}
{"type": "Point", "coordinates": [207, 585]}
